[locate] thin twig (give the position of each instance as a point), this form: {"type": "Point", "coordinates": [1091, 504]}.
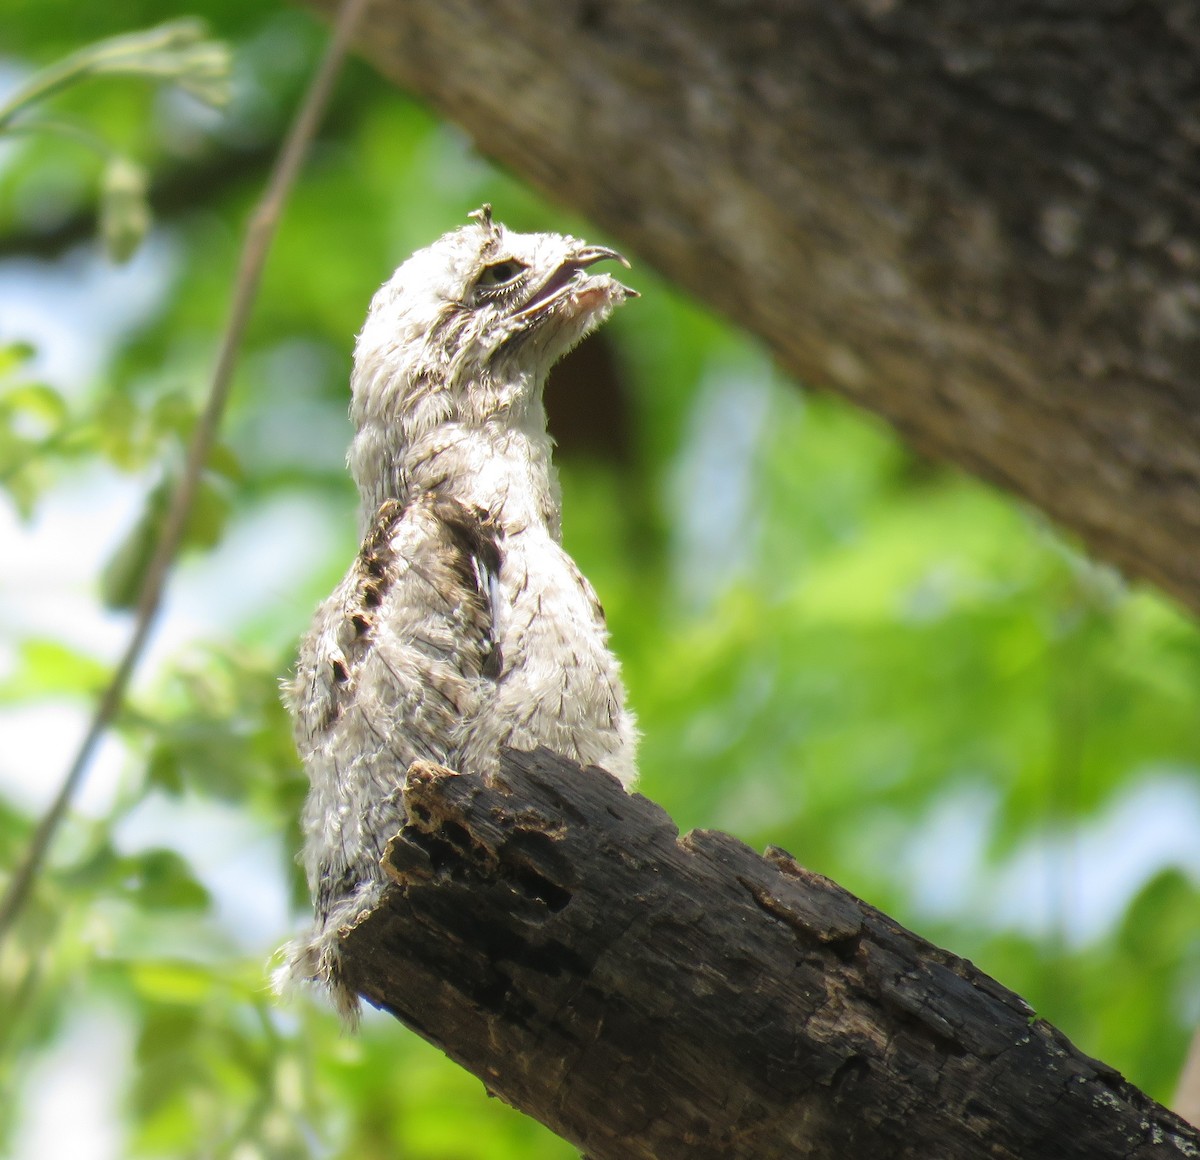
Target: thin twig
{"type": "Point", "coordinates": [259, 233]}
{"type": "Point", "coordinates": [64, 130]}
{"type": "Point", "coordinates": [1187, 1095]}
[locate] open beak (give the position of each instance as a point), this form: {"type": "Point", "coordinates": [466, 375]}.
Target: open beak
{"type": "Point", "coordinates": [565, 280]}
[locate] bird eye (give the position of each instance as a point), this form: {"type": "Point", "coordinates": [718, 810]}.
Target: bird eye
{"type": "Point", "coordinates": [500, 274]}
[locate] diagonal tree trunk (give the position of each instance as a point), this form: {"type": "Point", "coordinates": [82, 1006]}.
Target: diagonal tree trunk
{"type": "Point", "coordinates": [651, 997]}
{"type": "Point", "coordinates": [982, 223]}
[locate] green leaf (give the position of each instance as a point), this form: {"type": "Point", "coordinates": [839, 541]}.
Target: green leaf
{"type": "Point", "coordinates": [162, 880]}
{"type": "Point", "coordinates": [33, 418]}
{"type": "Point", "coordinates": [49, 668]}
{"type": "Point", "coordinates": [223, 461]}
{"type": "Point", "coordinates": [125, 217]}
{"type": "Point", "coordinates": [121, 580]}
{"type": "Point", "coordinates": [210, 513]}
{"type": "Point", "coordinates": [35, 402]}
{"type": "Point", "coordinates": [1160, 916]}
{"type": "Point", "coordinates": [14, 355]}
{"type": "Point", "coordinates": [167, 1055]}
{"type": "Point", "coordinates": [163, 770]}
{"type": "Point", "coordinates": [159, 981]}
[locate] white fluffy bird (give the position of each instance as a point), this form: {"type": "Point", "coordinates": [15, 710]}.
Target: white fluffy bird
{"type": "Point", "coordinates": [462, 626]}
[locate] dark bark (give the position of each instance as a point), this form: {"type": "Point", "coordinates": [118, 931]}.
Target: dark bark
{"type": "Point", "coordinates": [647, 995]}
{"type": "Point", "coordinates": [981, 222]}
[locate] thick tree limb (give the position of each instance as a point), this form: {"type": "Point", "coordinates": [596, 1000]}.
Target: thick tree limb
{"type": "Point", "coordinates": [650, 996]}
{"type": "Point", "coordinates": [982, 223]}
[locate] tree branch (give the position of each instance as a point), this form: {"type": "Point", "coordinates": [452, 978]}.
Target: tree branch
{"type": "Point", "coordinates": [980, 223]}
{"type": "Point", "coordinates": [651, 996]}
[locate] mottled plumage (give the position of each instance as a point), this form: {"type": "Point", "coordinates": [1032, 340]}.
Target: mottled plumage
{"type": "Point", "coordinates": [462, 626]}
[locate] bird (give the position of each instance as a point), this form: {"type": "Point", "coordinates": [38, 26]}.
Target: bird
{"type": "Point", "coordinates": [462, 626]}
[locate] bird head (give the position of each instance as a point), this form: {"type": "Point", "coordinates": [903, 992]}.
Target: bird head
{"type": "Point", "coordinates": [467, 329]}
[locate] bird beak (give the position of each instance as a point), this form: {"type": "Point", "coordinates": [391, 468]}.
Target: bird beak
{"type": "Point", "coordinates": [590, 255]}
{"type": "Point", "coordinates": [563, 282]}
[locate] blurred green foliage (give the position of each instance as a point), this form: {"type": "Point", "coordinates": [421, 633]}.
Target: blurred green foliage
{"type": "Point", "coordinates": [834, 646]}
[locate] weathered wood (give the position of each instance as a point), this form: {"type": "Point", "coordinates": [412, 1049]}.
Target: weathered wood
{"type": "Point", "coordinates": [651, 996]}
{"type": "Point", "coordinates": [980, 221]}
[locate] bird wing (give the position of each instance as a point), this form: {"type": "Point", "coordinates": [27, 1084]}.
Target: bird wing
{"type": "Point", "coordinates": [398, 664]}
{"type": "Point", "coordinates": [403, 640]}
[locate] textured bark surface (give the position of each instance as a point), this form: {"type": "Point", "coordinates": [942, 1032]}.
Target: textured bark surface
{"type": "Point", "coordinates": [651, 996]}
{"type": "Point", "coordinates": [981, 222]}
